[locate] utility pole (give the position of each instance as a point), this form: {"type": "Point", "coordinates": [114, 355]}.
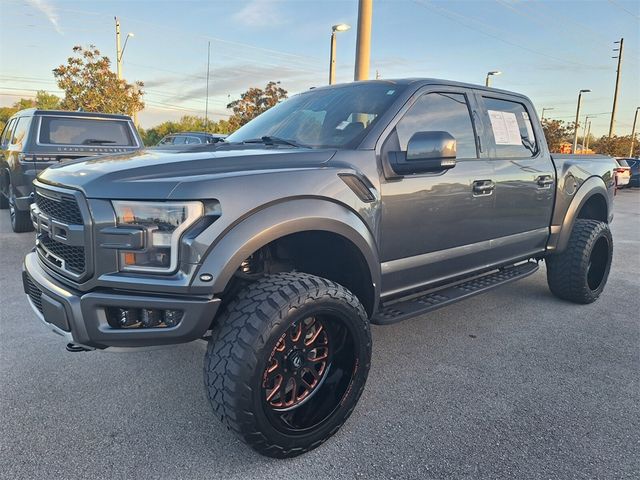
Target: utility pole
{"type": "Point", "coordinates": [633, 132]}
{"type": "Point", "coordinates": [584, 131]}
{"type": "Point", "coordinates": [118, 51]}
{"type": "Point", "coordinates": [363, 45]}
{"type": "Point", "coordinates": [206, 102]}
{"type": "Point", "coordinates": [586, 147]}
{"type": "Point", "coordinates": [575, 130]}
{"type": "Point", "coordinates": [545, 109]}
{"type": "Point", "coordinates": [615, 94]}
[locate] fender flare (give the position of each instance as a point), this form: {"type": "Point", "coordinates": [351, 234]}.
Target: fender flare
{"type": "Point", "coordinates": [281, 219]}
{"type": "Point", "coordinates": [560, 234]}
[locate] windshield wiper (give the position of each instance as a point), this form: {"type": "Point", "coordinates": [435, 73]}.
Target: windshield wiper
{"type": "Point", "coordinates": [269, 140]}
{"type": "Point", "coordinates": [96, 141]}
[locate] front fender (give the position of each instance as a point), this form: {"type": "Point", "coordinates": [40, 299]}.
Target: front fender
{"type": "Point", "coordinates": [278, 220]}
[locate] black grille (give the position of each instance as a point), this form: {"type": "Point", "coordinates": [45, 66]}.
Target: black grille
{"type": "Point", "coordinates": [66, 210]}
{"type": "Point", "coordinates": [34, 294]}
{"type": "Point", "coordinates": [73, 257]}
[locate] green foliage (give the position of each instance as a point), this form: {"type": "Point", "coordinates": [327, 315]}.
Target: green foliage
{"type": "Point", "coordinates": [253, 102]}
{"type": "Point", "coordinates": [89, 84]}
{"type": "Point", "coordinates": [43, 101]}
{"type": "Point", "coordinates": [557, 132]}
{"type": "Point", "coordinates": [188, 123]}
{"type": "Point", "coordinates": [615, 146]}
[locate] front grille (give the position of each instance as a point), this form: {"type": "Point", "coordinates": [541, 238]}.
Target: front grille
{"type": "Point", "coordinates": [73, 257]}
{"type": "Point", "coordinates": [34, 293]}
{"type": "Point", "coordinates": [59, 243]}
{"type": "Point", "coordinates": [66, 210]}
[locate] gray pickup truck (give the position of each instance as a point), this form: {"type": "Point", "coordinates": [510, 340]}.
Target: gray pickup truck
{"type": "Point", "coordinates": [370, 202]}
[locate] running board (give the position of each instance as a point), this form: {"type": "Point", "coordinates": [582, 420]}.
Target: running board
{"type": "Point", "coordinates": [405, 309]}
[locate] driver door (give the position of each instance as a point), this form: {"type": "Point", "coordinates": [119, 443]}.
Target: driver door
{"type": "Point", "coordinates": [437, 225]}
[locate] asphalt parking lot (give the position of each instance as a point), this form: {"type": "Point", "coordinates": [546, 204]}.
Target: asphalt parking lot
{"type": "Point", "coordinates": [511, 384]}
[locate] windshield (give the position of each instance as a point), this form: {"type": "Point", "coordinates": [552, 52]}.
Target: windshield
{"type": "Point", "coordinates": [326, 118]}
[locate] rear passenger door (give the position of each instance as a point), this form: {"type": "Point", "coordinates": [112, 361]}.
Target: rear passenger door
{"type": "Point", "coordinates": [524, 175]}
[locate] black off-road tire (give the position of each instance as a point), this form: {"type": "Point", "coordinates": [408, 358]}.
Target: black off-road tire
{"type": "Point", "coordinates": [579, 274]}
{"type": "Point", "coordinates": [242, 346]}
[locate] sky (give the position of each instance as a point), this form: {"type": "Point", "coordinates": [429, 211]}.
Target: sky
{"type": "Point", "coordinates": [547, 50]}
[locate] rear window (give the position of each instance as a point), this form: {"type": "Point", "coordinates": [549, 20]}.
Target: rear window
{"type": "Point", "coordinates": [623, 163]}
{"type": "Point", "coordinates": [84, 131]}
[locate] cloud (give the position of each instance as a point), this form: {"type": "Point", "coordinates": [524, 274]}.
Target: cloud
{"type": "Point", "coordinates": [259, 13]}
{"type": "Point", "coordinates": [48, 11]}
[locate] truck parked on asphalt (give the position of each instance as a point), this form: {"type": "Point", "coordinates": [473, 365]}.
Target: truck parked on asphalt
{"type": "Point", "coordinates": [33, 140]}
{"type": "Point", "coordinates": [370, 202]}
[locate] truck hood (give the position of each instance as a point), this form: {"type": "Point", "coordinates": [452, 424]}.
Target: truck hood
{"type": "Point", "coordinates": [154, 174]}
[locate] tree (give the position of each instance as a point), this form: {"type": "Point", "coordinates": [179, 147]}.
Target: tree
{"type": "Point", "coordinates": [90, 85]}
{"type": "Point", "coordinates": [43, 101]}
{"type": "Point", "coordinates": [557, 132]}
{"type": "Point", "coordinates": [615, 146]}
{"type": "Point", "coordinates": [253, 102]}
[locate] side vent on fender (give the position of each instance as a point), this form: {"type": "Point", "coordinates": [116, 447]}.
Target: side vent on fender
{"type": "Point", "coordinates": [359, 186]}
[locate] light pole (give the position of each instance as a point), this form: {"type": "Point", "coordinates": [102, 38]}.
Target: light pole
{"type": "Point", "coordinates": [615, 93]}
{"type": "Point", "coordinates": [363, 42]}
{"type": "Point", "coordinates": [588, 135]}
{"type": "Point", "coordinates": [341, 27]}
{"type": "Point", "coordinates": [575, 130]}
{"type": "Point", "coordinates": [487, 81]}
{"type": "Point", "coordinates": [584, 131]}
{"type": "Point", "coordinates": [119, 52]}
{"type": "Point", "coordinates": [544, 110]}
{"type": "Point", "coordinates": [633, 132]}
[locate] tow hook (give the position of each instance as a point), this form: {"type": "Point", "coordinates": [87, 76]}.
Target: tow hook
{"type": "Point", "coordinates": [72, 347]}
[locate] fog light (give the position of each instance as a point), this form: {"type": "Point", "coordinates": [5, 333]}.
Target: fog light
{"type": "Point", "coordinates": [172, 317]}
{"type": "Point", "coordinates": [128, 317]}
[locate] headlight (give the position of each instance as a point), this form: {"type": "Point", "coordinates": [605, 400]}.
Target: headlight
{"type": "Point", "coordinates": [163, 224]}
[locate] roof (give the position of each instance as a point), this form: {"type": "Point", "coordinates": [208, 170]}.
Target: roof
{"type": "Point", "coordinates": [416, 81]}
{"type": "Point", "coordinates": [69, 113]}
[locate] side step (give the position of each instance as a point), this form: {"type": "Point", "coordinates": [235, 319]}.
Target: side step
{"type": "Point", "coordinates": [405, 309]}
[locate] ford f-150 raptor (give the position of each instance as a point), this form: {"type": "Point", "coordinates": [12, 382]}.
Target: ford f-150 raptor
{"type": "Point", "coordinates": [370, 202]}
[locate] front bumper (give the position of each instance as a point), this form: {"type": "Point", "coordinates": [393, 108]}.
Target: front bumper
{"type": "Point", "coordinates": [81, 317]}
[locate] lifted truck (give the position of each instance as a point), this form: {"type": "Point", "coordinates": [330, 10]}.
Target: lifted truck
{"type": "Point", "coordinates": [370, 202]}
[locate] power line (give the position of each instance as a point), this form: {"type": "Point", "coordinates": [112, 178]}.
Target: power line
{"type": "Point", "coordinates": [616, 4]}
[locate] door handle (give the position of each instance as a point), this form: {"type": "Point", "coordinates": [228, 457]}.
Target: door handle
{"type": "Point", "coordinates": [544, 181]}
{"type": "Point", "coordinates": [483, 187]}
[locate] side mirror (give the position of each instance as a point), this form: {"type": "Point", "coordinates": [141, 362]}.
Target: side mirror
{"type": "Point", "coordinates": [426, 152]}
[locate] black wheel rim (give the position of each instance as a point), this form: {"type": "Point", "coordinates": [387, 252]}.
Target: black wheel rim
{"type": "Point", "coordinates": [308, 373]}
{"type": "Point", "coordinates": [598, 262]}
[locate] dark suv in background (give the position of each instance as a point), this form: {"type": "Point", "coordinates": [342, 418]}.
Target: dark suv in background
{"type": "Point", "coordinates": [33, 140]}
{"type": "Point", "coordinates": [190, 138]}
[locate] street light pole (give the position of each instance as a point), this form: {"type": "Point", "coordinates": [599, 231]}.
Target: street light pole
{"type": "Point", "coordinates": [487, 81]}
{"type": "Point", "coordinates": [584, 131]}
{"type": "Point", "coordinates": [575, 130]}
{"type": "Point", "coordinates": [118, 52]}
{"type": "Point", "coordinates": [615, 93]}
{"type": "Point", "coordinates": [341, 27]}
{"type": "Point", "coordinates": [206, 102]}
{"type": "Point", "coordinates": [363, 43]}
{"type": "Point", "coordinates": [545, 109]}
{"type": "Point", "coordinates": [633, 132]}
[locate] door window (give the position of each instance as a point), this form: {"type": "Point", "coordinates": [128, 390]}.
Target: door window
{"type": "Point", "coordinates": [447, 112]}
{"type": "Point", "coordinates": [8, 130]}
{"type": "Point", "coordinates": [20, 133]}
{"type": "Point", "coordinates": [511, 129]}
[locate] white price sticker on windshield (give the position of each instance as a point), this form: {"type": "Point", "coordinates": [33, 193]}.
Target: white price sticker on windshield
{"type": "Point", "coordinates": [505, 128]}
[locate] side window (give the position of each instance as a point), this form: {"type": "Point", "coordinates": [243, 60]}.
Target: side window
{"type": "Point", "coordinates": [7, 133]}
{"type": "Point", "coordinates": [511, 129]}
{"type": "Point", "coordinates": [179, 140]}
{"type": "Point", "coordinates": [446, 112]}
{"type": "Point", "coordinates": [20, 133]}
